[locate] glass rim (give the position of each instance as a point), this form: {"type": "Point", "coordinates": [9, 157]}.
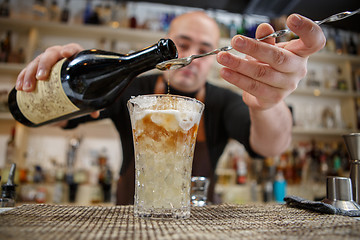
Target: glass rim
{"type": "Point", "coordinates": [169, 95]}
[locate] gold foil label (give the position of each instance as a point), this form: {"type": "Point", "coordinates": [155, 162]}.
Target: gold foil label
{"type": "Point", "coordinates": [48, 101]}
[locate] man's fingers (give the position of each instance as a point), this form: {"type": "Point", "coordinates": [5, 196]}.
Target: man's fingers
{"type": "Point", "coordinates": [95, 114]}
{"type": "Point", "coordinates": [29, 80]}
{"type": "Point", "coordinates": [278, 58]}
{"type": "Point", "coordinates": [52, 55]}
{"type": "Point", "coordinates": [47, 61]}
{"type": "Point", "coordinates": [263, 30]}
{"type": "Point", "coordinates": [259, 89]}
{"type": "Point", "coordinates": [311, 36]}
{"type": "Point", "coordinates": [257, 71]}
{"type": "Point", "coordinates": [40, 67]}
{"type": "Point", "coordinates": [70, 50]}
{"type": "Point", "coordinates": [20, 80]}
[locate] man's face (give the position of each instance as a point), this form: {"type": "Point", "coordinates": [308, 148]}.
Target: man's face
{"type": "Point", "coordinates": [193, 35]}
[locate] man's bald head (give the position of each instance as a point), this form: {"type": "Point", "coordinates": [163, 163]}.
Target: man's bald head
{"type": "Point", "coordinates": [193, 33]}
{"type": "Point", "coordinates": [195, 18]}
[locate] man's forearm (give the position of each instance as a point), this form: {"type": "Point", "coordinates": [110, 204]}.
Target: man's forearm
{"type": "Point", "coordinates": [270, 132]}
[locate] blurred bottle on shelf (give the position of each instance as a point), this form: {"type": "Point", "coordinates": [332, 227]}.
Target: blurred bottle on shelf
{"type": "Point", "coordinates": [59, 187]}
{"type": "Point", "coordinates": [91, 15]}
{"type": "Point", "coordinates": [41, 194]}
{"type": "Point", "coordinates": [87, 11]}
{"type": "Point", "coordinates": [132, 21]}
{"type": "Point", "coordinates": [5, 50]}
{"type": "Point", "coordinates": [40, 191]}
{"type": "Point", "coordinates": [357, 107]}
{"type": "Point", "coordinates": [352, 48]}
{"type": "Point", "coordinates": [330, 40]}
{"type": "Point", "coordinates": [4, 106]}
{"type": "Point", "coordinates": [105, 13]}
{"type": "Point", "coordinates": [241, 170]}
{"type": "Point", "coordinates": [268, 191]}
{"type": "Point", "coordinates": [357, 42]}
{"type": "Point", "coordinates": [119, 16]}
{"type": "Point", "coordinates": [105, 175]}
{"type": "Point", "coordinates": [289, 170]}
{"type": "Point", "coordinates": [8, 194]}
{"type": "Point", "coordinates": [232, 29]}
{"type": "Point", "coordinates": [266, 179]}
{"type": "Point", "coordinates": [299, 162]}
{"type": "Point", "coordinates": [338, 42]}
{"type": "Point", "coordinates": [7, 53]}
{"type": "Point", "coordinates": [40, 11]}
{"type": "Point", "coordinates": [341, 82]}
{"type": "Point", "coordinates": [11, 148]}
{"type": "Point", "coordinates": [5, 8]}
{"type": "Point", "coordinates": [23, 175]}
{"type": "Point", "coordinates": [54, 11]}
{"type": "Point", "coordinates": [279, 187]}
{"type": "Point", "coordinates": [324, 165]}
{"type": "Point", "coordinates": [74, 144]}
{"type": "Point", "coordinates": [345, 39]}
{"type": "Point", "coordinates": [242, 27]}
{"type": "Point", "coordinates": [65, 12]}
{"type": "Point", "coordinates": [224, 30]}
{"type": "Point", "coordinates": [166, 20]}
{"type": "Point", "coordinates": [10, 157]}
{"type": "Point", "coordinates": [39, 176]}
{"type": "Point", "coordinates": [93, 178]}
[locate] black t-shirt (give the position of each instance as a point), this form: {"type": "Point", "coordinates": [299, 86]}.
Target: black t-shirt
{"type": "Point", "coordinates": [226, 116]}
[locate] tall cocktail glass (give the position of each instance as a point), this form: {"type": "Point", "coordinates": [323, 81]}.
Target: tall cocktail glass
{"type": "Point", "coordinates": [164, 131]}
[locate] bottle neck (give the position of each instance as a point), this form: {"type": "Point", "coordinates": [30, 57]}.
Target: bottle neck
{"type": "Point", "coordinates": [147, 58]}
{"type": "Point", "coordinates": [132, 64]}
{"type": "Point", "coordinates": [96, 73]}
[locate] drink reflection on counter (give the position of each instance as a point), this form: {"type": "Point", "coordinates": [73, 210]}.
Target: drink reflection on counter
{"type": "Point", "coordinates": [199, 191]}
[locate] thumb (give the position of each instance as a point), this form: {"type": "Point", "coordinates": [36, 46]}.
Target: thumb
{"type": "Point", "coordinates": [311, 38]}
{"type": "Point", "coordinates": [95, 114]}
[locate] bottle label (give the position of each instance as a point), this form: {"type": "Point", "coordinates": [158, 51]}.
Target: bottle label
{"type": "Point", "coordinates": [48, 101]}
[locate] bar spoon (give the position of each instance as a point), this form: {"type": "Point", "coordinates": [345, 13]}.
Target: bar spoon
{"type": "Point", "coordinates": [182, 62]}
{"type": "Point", "coordinates": [332, 18]}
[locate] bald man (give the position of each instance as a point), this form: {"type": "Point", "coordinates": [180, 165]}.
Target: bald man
{"type": "Point", "coordinates": [259, 119]}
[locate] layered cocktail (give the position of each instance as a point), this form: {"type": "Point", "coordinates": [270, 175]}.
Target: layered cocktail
{"type": "Point", "coordinates": [164, 132]}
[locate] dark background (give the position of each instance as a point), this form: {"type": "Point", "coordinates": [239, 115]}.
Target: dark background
{"type": "Point", "coordinates": [314, 9]}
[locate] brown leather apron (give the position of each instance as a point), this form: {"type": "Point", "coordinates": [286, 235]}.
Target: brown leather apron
{"type": "Point", "coordinates": [201, 164]}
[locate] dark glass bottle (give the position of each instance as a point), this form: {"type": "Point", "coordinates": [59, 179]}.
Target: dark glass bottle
{"type": "Point", "coordinates": [6, 47]}
{"type": "Point", "coordinates": [5, 9]}
{"type": "Point", "coordinates": [8, 193]}
{"type": "Point", "coordinates": [90, 81]}
{"type": "Point", "coordinates": [352, 49]}
{"type": "Point", "coordinates": [65, 13]}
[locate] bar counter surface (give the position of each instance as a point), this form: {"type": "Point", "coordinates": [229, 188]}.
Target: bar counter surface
{"type": "Point", "coordinates": [226, 221]}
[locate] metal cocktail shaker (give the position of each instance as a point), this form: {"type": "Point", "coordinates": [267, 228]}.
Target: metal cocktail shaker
{"type": "Point", "coordinates": [339, 193]}
{"type": "Point", "coordinates": [352, 142]}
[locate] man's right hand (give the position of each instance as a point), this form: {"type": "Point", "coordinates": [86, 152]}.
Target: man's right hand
{"type": "Point", "coordinates": [40, 67]}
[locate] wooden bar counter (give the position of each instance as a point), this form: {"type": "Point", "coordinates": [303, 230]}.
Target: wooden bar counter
{"type": "Point", "coordinates": [226, 221]}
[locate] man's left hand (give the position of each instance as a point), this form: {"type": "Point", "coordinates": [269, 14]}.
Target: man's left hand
{"type": "Point", "coordinates": [270, 72]}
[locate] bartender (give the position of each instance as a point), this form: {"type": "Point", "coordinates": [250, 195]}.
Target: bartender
{"type": "Point", "coordinates": [259, 119]}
